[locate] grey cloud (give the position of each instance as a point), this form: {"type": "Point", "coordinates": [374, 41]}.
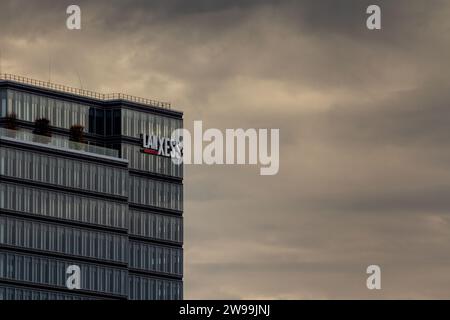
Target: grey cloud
{"type": "Point", "coordinates": [418, 116]}
{"type": "Point", "coordinates": [364, 160]}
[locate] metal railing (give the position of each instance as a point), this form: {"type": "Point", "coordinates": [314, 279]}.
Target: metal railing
{"type": "Point", "coordinates": [85, 93]}
{"type": "Point", "coordinates": [57, 142]}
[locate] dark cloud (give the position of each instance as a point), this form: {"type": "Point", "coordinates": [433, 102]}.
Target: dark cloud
{"type": "Point", "coordinates": [362, 115]}
{"type": "Point", "coordinates": [408, 117]}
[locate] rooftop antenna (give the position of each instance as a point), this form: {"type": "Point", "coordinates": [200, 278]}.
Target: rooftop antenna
{"type": "Point", "coordinates": [79, 79]}
{"type": "Point", "coordinates": [49, 68]}
{"type": "Point", "coordinates": [1, 61]}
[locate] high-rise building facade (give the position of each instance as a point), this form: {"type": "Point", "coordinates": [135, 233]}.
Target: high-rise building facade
{"type": "Point", "coordinates": [77, 188]}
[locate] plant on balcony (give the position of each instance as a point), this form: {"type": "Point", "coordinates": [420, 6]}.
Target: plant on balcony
{"type": "Point", "coordinates": [77, 134]}
{"type": "Point", "coordinates": [42, 128]}
{"type": "Point", "coordinates": [11, 121]}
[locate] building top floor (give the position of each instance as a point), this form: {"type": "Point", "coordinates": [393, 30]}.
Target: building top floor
{"type": "Point", "coordinates": [99, 118]}
{"type": "Point", "coordinates": [109, 128]}
{"type": "Point", "coordinates": [87, 96]}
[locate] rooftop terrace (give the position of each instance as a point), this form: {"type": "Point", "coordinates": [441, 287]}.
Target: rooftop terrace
{"type": "Point", "coordinates": [84, 93]}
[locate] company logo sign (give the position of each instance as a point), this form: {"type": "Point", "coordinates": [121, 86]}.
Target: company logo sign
{"type": "Point", "coordinates": [161, 146]}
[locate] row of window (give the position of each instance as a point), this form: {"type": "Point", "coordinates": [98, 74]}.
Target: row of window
{"type": "Point", "coordinates": [156, 258]}
{"type": "Point", "coordinates": [156, 193]}
{"type": "Point", "coordinates": [63, 239]}
{"type": "Point", "coordinates": [71, 207]}
{"type": "Point", "coordinates": [15, 293]}
{"type": "Point", "coordinates": [156, 226]}
{"type": "Point", "coordinates": [61, 113]}
{"type": "Point", "coordinates": [64, 114]}
{"type": "Point", "coordinates": [146, 288]}
{"type": "Point", "coordinates": [63, 206]}
{"type": "Point", "coordinates": [29, 107]}
{"type": "Point", "coordinates": [151, 163]}
{"type": "Point", "coordinates": [134, 123]}
{"type": "Point", "coordinates": [63, 171]}
{"type": "Point", "coordinates": [104, 122]}
{"type": "Point", "coordinates": [3, 103]}
{"type": "Point", "coordinates": [48, 271]}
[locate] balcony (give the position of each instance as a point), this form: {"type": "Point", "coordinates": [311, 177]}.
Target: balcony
{"type": "Point", "coordinates": [57, 143]}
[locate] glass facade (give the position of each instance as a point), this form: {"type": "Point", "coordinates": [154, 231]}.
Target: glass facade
{"type": "Point", "coordinates": [52, 272]}
{"type": "Point", "coordinates": [156, 258]}
{"type": "Point", "coordinates": [62, 114]}
{"type": "Point", "coordinates": [156, 193]}
{"type": "Point", "coordinates": [63, 206]}
{"type": "Point", "coordinates": [148, 288]}
{"type": "Point", "coordinates": [63, 239]}
{"type": "Point", "coordinates": [97, 120]}
{"type": "Point", "coordinates": [156, 226]}
{"type": "Point", "coordinates": [16, 293]}
{"type": "Point", "coordinates": [118, 215]}
{"type": "Point", "coordinates": [134, 123]}
{"type": "Point", "coordinates": [3, 105]}
{"type": "Point", "coordinates": [65, 172]}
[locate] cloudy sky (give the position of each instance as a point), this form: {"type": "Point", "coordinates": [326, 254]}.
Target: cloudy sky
{"type": "Point", "coordinates": [363, 117]}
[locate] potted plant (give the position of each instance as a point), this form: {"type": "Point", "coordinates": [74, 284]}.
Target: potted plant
{"type": "Point", "coordinates": [42, 128]}
{"type": "Point", "coordinates": [77, 135]}
{"type": "Point", "coordinates": [11, 123]}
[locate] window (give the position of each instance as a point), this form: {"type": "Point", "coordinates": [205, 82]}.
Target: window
{"type": "Point", "coordinates": [99, 121]}
{"type": "Point", "coordinates": [151, 225]}
{"type": "Point", "coordinates": [147, 288]}
{"type": "Point", "coordinates": [29, 107]}
{"type": "Point", "coordinates": [169, 258]}
{"type": "Point", "coordinates": [156, 193]}
{"type": "Point", "coordinates": [63, 205]}
{"type": "Point", "coordinates": [44, 168]}
{"type": "Point", "coordinates": [134, 123]}
{"type": "Point", "coordinates": [50, 271]}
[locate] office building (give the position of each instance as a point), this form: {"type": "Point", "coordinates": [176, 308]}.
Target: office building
{"type": "Point", "coordinates": [77, 188]}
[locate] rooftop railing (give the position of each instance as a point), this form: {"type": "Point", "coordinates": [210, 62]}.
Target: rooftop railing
{"type": "Point", "coordinates": [57, 142]}
{"type": "Point", "coordinates": [85, 93]}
